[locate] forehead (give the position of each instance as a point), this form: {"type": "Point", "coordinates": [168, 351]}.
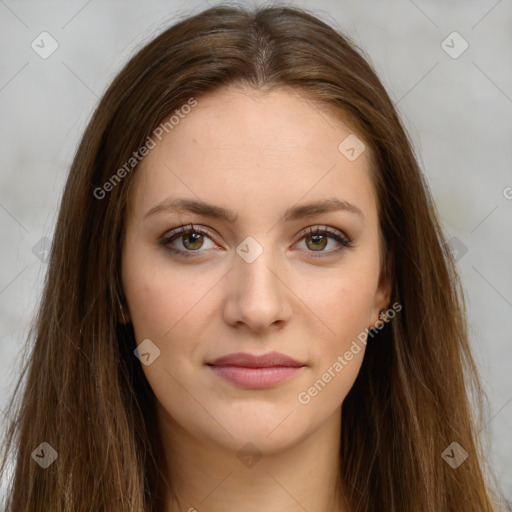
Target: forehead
{"type": "Point", "coordinates": [242, 147]}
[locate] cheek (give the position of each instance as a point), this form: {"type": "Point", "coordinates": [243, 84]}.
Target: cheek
{"type": "Point", "coordinates": [342, 298]}
{"type": "Point", "coordinates": [159, 293]}
{"type": "Point", "coordinates": [343, 303]}
{"type": "Point", "coordinates": [170, 306]}
{"type": "Point", "coordinates": [338, 358]}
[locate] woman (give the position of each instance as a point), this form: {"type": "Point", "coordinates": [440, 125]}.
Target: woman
{"type": "Point", "coordinates": [249, 304]}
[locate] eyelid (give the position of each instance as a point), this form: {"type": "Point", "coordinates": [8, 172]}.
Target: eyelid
{"type": "Point", "coordinates": [184, 229]}
{"type": "Point", "coordinates": [341, 238]}
{"type": "Point", "coordinates": [321, 229]}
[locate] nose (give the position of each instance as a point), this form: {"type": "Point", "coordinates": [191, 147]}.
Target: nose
{"type": "Point", "coordinates": [257, 296]}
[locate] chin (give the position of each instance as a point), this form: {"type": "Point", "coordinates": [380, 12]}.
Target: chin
{"type": "Point", "coordinates": [272, 428]}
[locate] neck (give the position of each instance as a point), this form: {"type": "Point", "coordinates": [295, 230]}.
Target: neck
{"type": "Point", "coordinates": [206, 477]}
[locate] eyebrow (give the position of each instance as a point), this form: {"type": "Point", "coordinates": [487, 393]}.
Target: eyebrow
{"type": "Point", "coordinates": [217, 212]}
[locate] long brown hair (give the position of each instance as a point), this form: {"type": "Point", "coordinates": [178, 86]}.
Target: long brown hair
{"type": "Point", "coordinates": [84, 392]}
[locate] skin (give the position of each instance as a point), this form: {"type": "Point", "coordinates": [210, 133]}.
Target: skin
{"type": "Point", "coordinates": [256, 153]}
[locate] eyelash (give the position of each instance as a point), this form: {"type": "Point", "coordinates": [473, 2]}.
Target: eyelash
{"type": "Point", "coordinates": [344, 242]}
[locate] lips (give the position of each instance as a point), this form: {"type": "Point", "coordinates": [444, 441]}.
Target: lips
{"type": "Point", "coordinates": [251, 371]}
{"type": "Point", "coordinates": [253, 361]}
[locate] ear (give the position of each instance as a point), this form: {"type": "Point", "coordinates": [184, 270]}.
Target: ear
{"type": "Point", "coordinates": [384, 289]}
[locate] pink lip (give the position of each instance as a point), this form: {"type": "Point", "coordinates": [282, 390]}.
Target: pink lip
{"type": "Point", "coordinates": [256, 372]}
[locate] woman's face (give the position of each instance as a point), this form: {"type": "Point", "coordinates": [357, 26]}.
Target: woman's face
{"type": "Point", "coordinates": [254, 173]}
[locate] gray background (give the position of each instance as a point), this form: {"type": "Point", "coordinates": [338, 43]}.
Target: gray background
{"type": "Point", "coordinates": [458, 112]}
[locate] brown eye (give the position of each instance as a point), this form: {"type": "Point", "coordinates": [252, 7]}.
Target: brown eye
{"type": "Point", "coordinates": [187, 241]}
{"type": "Point", "coordinates": [318, 242]}
{"type": "Point", "coordinates": [192, 241]}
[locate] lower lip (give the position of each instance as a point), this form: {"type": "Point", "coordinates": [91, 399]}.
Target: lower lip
{"type": "Point", "coordinates": [256, 378]}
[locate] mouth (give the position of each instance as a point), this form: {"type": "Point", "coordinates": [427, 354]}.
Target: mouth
{"type": "Point", "coordinates": [251, 371]}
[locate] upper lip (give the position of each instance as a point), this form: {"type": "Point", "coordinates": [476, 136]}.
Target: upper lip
{"type": "Point", "coordinates": [247, 360]}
